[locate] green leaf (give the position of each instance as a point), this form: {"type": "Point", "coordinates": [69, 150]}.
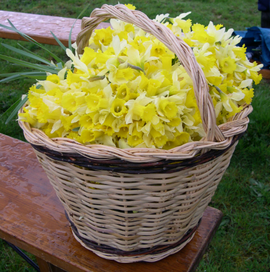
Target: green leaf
{"type": "Point", "coordinates": [39, 67]}
{"type": "Point", "coordinates": [18, 104]}
{"type": "Point", "coordinates": [70, 33]}
{"type": "Point", "coordinates": [95, 78]}
{"type": "Point", "coordinates": [76, 129]}
{"type": "Point", "coordinates": [34, 42]}
{"type": "Point", "coordinates": [135, 67]}
{"type": "Point", "coordinates": [37, 77]}
{"type": "Point", "coordinates": [59, 65]}
{"type": "Point", "coordinates": [30, 55]}
{"type": "Point", "coordinates": [13, 28]}
{"type": "Point", "coordinates": [59, 42]}
{"type": "Point", "coordinates": [27, 50]}
{"type": "Point", "coordinates": [166, 19]}
{"type": "Point", "coordinates": [13, 76]}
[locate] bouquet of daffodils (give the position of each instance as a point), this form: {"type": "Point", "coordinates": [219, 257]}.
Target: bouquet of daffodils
{"type": "Point", "coordinates": [128, 89]}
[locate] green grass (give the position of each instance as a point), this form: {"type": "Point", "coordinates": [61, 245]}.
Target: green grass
{"type": "Point", "coordinates": [242, 242]}
{"type": "Point", "coordinates": [11, 261]}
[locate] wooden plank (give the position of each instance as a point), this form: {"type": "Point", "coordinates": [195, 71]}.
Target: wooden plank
{"type": "Point", "coordinates": [39, 26]}
{"type": "Point", "coordinates": [47, 267]}
{"type": "Point", "coordinates": [32, 218]}
{"type": "Point", "coordinates": [265, 73]}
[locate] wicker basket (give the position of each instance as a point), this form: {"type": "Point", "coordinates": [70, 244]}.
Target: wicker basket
{"type": "Point", "coordinates": [139, 204]}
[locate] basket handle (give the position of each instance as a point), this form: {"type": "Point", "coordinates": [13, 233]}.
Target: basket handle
{"type": "Point", "coordinates": [174, 43]}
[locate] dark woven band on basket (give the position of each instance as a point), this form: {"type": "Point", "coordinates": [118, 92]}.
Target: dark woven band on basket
{"type": "Point", "coordinates": [122, 166]}
{"type": "Point", "coordinates": [143, 251]}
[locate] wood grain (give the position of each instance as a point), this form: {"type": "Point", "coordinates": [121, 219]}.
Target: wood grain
{"type": "Point", "coordinates": [32, 218]}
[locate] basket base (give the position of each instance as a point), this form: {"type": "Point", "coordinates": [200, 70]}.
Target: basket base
{"type": "Point", "coordinates": [140, 258]}
{"type": "Point", "coordinates": [146, 255]}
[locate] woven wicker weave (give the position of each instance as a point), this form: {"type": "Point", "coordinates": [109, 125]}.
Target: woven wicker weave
{"type": "Point", "coordinates": [139, 204]}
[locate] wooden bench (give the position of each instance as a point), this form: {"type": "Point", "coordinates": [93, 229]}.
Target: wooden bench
{"type": "Point", "coordinates": [31, 216]}
{"type": "Point", "coordinates": [39, 27]}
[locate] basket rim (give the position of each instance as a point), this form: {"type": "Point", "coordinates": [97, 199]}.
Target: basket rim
{"type": "Point", "coordinates": [121, 166]}
{"type": "Point", "coordinates": [186, 151]}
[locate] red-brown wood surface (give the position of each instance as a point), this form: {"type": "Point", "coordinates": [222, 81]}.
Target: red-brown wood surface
{"type": "Point", "coordinates": [32, 218]}
{"type": "Point", "coordinates": [39, 27]}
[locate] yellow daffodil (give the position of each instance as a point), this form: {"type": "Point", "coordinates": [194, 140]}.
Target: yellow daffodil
{"type": "Point", "coordinates": [149, 113]}
{"type": "Point", "coordinates": [129, 90]}
{"type": "Point", "coordinates": [71, 101]}
{"type": "Point", "coordinates": [152, 87]}
{"type": "Point", "coordinates": [95, 102]}
{"type": "Point", "coordinates": [87, 136]}
{"type": "Point", "coordinates": [228, 65]}
{"type": "Point", "coordinates": [103, 36]}
{"type": "Point", "coordinates": [86, 121]}
{"type": "Point", "coordinates": [122, 75]}
{"type": "Point", "coordinates": [88, 56]}
{"type": "Point", "coordinates": [130, 6]}
{"type": "Point", "coordinates": [160, 141]}
{"type": "Point", "coordinates": [42, 113]}
{"type": "Point", "coordinates": [135, 138]}
{"type": "Point", "coordinates": [182, 138]}
{"type": "Point", "coordinates": [48, 130]}
{"type": "Point", "coordinates": [183, 24]}
{"type": "Point", "coordinates": [54, 78]}
{"type": "Point", "coordinates": [118, 107]}
{"type": "Point", "coordinates": [26, 117]}
{"type": "Point", "coordinates": [169, 109]}
{"type": "Point", "coordinates": [255, 77]}
{"type": "Point", "coordinates": [123, 131]}
{"type": "Point", "coordinates": [248, 95]}
{"type": "Point", "coordinates": [123, 92]}
{"type": "Point", "coordinates": [67, 122]}
{"type": "Point", "coordinates": [57, 94]}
